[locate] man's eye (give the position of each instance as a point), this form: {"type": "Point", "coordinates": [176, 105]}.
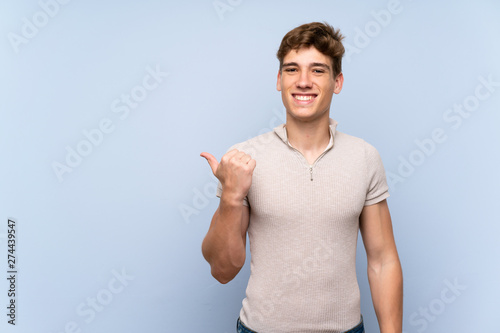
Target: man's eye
{"type": "Point", "coordinates": [318, 71]}
{"type": "Point", "coordinates": [290, 70]}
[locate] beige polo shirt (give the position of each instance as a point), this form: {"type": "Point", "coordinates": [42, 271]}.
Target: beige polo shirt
{"type": "Point", "coordinates": [304, 222]}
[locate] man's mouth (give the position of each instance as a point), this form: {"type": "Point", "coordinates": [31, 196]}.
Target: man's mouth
{"type": "Point", "coordinates": [304, 97]}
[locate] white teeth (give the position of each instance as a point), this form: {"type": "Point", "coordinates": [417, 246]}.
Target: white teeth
{"type": "Point", "coordinates": [304, 98]}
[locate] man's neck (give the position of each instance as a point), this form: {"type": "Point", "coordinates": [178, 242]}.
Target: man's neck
{"type": "Point", "coordinates": [310, 138]}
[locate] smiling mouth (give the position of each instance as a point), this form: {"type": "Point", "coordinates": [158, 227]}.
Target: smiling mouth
{"type": "Point", "coordinates": [304, 97]}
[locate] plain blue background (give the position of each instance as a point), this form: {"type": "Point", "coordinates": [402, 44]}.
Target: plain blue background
{"type": "Point", "coordinates": [140, 202]}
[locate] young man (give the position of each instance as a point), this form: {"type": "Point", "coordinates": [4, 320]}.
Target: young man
{"type": "Point", "coordinates": [302, 192]}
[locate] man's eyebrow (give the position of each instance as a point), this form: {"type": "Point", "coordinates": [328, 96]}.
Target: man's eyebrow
{"type": "Point", "coordinates": [320, 64]}
{"type": "Point", "coordinates": [314, 64]}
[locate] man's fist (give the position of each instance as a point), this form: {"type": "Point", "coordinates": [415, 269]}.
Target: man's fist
{"type": "Point", "coordinates": [234, 172]}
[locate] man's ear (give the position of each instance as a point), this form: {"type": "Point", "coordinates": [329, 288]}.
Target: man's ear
{"type": "Point", "coordinates": [278, 83]}
{"type": "Point", "coordinates": [339, 82]}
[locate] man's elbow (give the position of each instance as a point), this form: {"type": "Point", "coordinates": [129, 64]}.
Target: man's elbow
{"type": "Point", "coordinates": [223, 278]}
{"type": "Point", "coordinates": [380, 268]}
{"type": "Point", "coordinates": [227, 273]}
{"type": "Point", "coordinates": [376, 264]}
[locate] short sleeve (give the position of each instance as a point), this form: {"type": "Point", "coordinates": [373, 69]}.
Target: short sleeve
{"type": "Point", "coordinates": [377, 189]}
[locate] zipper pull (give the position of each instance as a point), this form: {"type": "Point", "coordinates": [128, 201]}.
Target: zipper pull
{"type": "Point", "coordinates": [311, 172]}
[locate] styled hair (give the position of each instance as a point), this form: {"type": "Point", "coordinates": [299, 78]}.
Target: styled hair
{"type": "Point", "coordinates": [322, 36]}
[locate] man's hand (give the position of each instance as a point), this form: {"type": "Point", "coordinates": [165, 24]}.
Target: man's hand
{"type": "Point", "coordinates": [234, 172]}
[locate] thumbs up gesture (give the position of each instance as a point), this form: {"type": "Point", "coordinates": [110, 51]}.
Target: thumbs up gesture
{"type": "Point", "coordinates": [234, 172]}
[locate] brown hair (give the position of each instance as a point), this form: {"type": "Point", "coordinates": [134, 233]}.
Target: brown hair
{"type": "Point", "coordinates": [322, 36]}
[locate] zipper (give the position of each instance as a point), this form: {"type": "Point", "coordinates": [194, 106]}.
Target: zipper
{"type": "Point", "coordinates": [315, 162]}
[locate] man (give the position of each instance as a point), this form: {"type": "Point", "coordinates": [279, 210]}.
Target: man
{"type": "Point", "coordinates": [302, 192]}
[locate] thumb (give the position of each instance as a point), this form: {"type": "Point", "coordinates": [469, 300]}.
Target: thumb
{"type": "Point", "coordinates": [212, 161]}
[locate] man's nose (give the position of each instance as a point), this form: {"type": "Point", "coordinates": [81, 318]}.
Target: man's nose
{"type": "Point", "coordinates": [304, 80]}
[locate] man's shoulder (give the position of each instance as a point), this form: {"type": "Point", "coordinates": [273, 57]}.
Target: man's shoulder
{"type": "Point", "coordinates": [354, 145]}
{"type": "Point", "coordinates": [257, 144]}
{"type": "Point", "coordinates": [350, 141]}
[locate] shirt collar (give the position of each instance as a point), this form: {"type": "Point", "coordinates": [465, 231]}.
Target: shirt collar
{"type": "Point", "coordinates": [281, 132]}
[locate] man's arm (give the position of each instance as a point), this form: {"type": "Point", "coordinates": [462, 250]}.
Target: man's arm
{"type": "Point", "coordinates": [384, 269]}
{"type": "Point", "coordinates": [224, 246]}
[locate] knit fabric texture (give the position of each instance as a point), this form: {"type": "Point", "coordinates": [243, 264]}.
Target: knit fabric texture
{"type": "Point", "coordinates": [303, 230]}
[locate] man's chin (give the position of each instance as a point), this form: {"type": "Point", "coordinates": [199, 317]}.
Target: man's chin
{"type": "Point", "coordinates": [306, 117]}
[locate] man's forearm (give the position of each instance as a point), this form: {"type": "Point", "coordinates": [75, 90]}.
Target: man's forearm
{"type": "Point", "coordinates": [386, 284]}
{"type": "Point", "coordinates": [224, 246]}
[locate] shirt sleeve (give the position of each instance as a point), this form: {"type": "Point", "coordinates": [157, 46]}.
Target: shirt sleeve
{"type": "Point", "coordinates": [377, 189]}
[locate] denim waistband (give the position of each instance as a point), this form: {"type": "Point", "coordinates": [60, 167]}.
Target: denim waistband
{"type": "Point", "coordinates": [241, 328]}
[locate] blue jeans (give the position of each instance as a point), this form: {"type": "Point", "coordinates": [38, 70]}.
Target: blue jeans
{"type": "Point", "coordinates": [359, 328]}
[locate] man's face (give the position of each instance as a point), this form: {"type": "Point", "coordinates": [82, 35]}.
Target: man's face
{"type": "Point", "coordinates": [307, 84]}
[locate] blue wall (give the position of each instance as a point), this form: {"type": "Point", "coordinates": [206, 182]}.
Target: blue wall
{"type": "Point", "coordinates": [105, 108]}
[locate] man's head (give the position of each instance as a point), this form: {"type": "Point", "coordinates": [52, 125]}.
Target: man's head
{"type": "Point", "coordinates": [310, 71]}
{"type": "Point", "coordinates": [321, 36]}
